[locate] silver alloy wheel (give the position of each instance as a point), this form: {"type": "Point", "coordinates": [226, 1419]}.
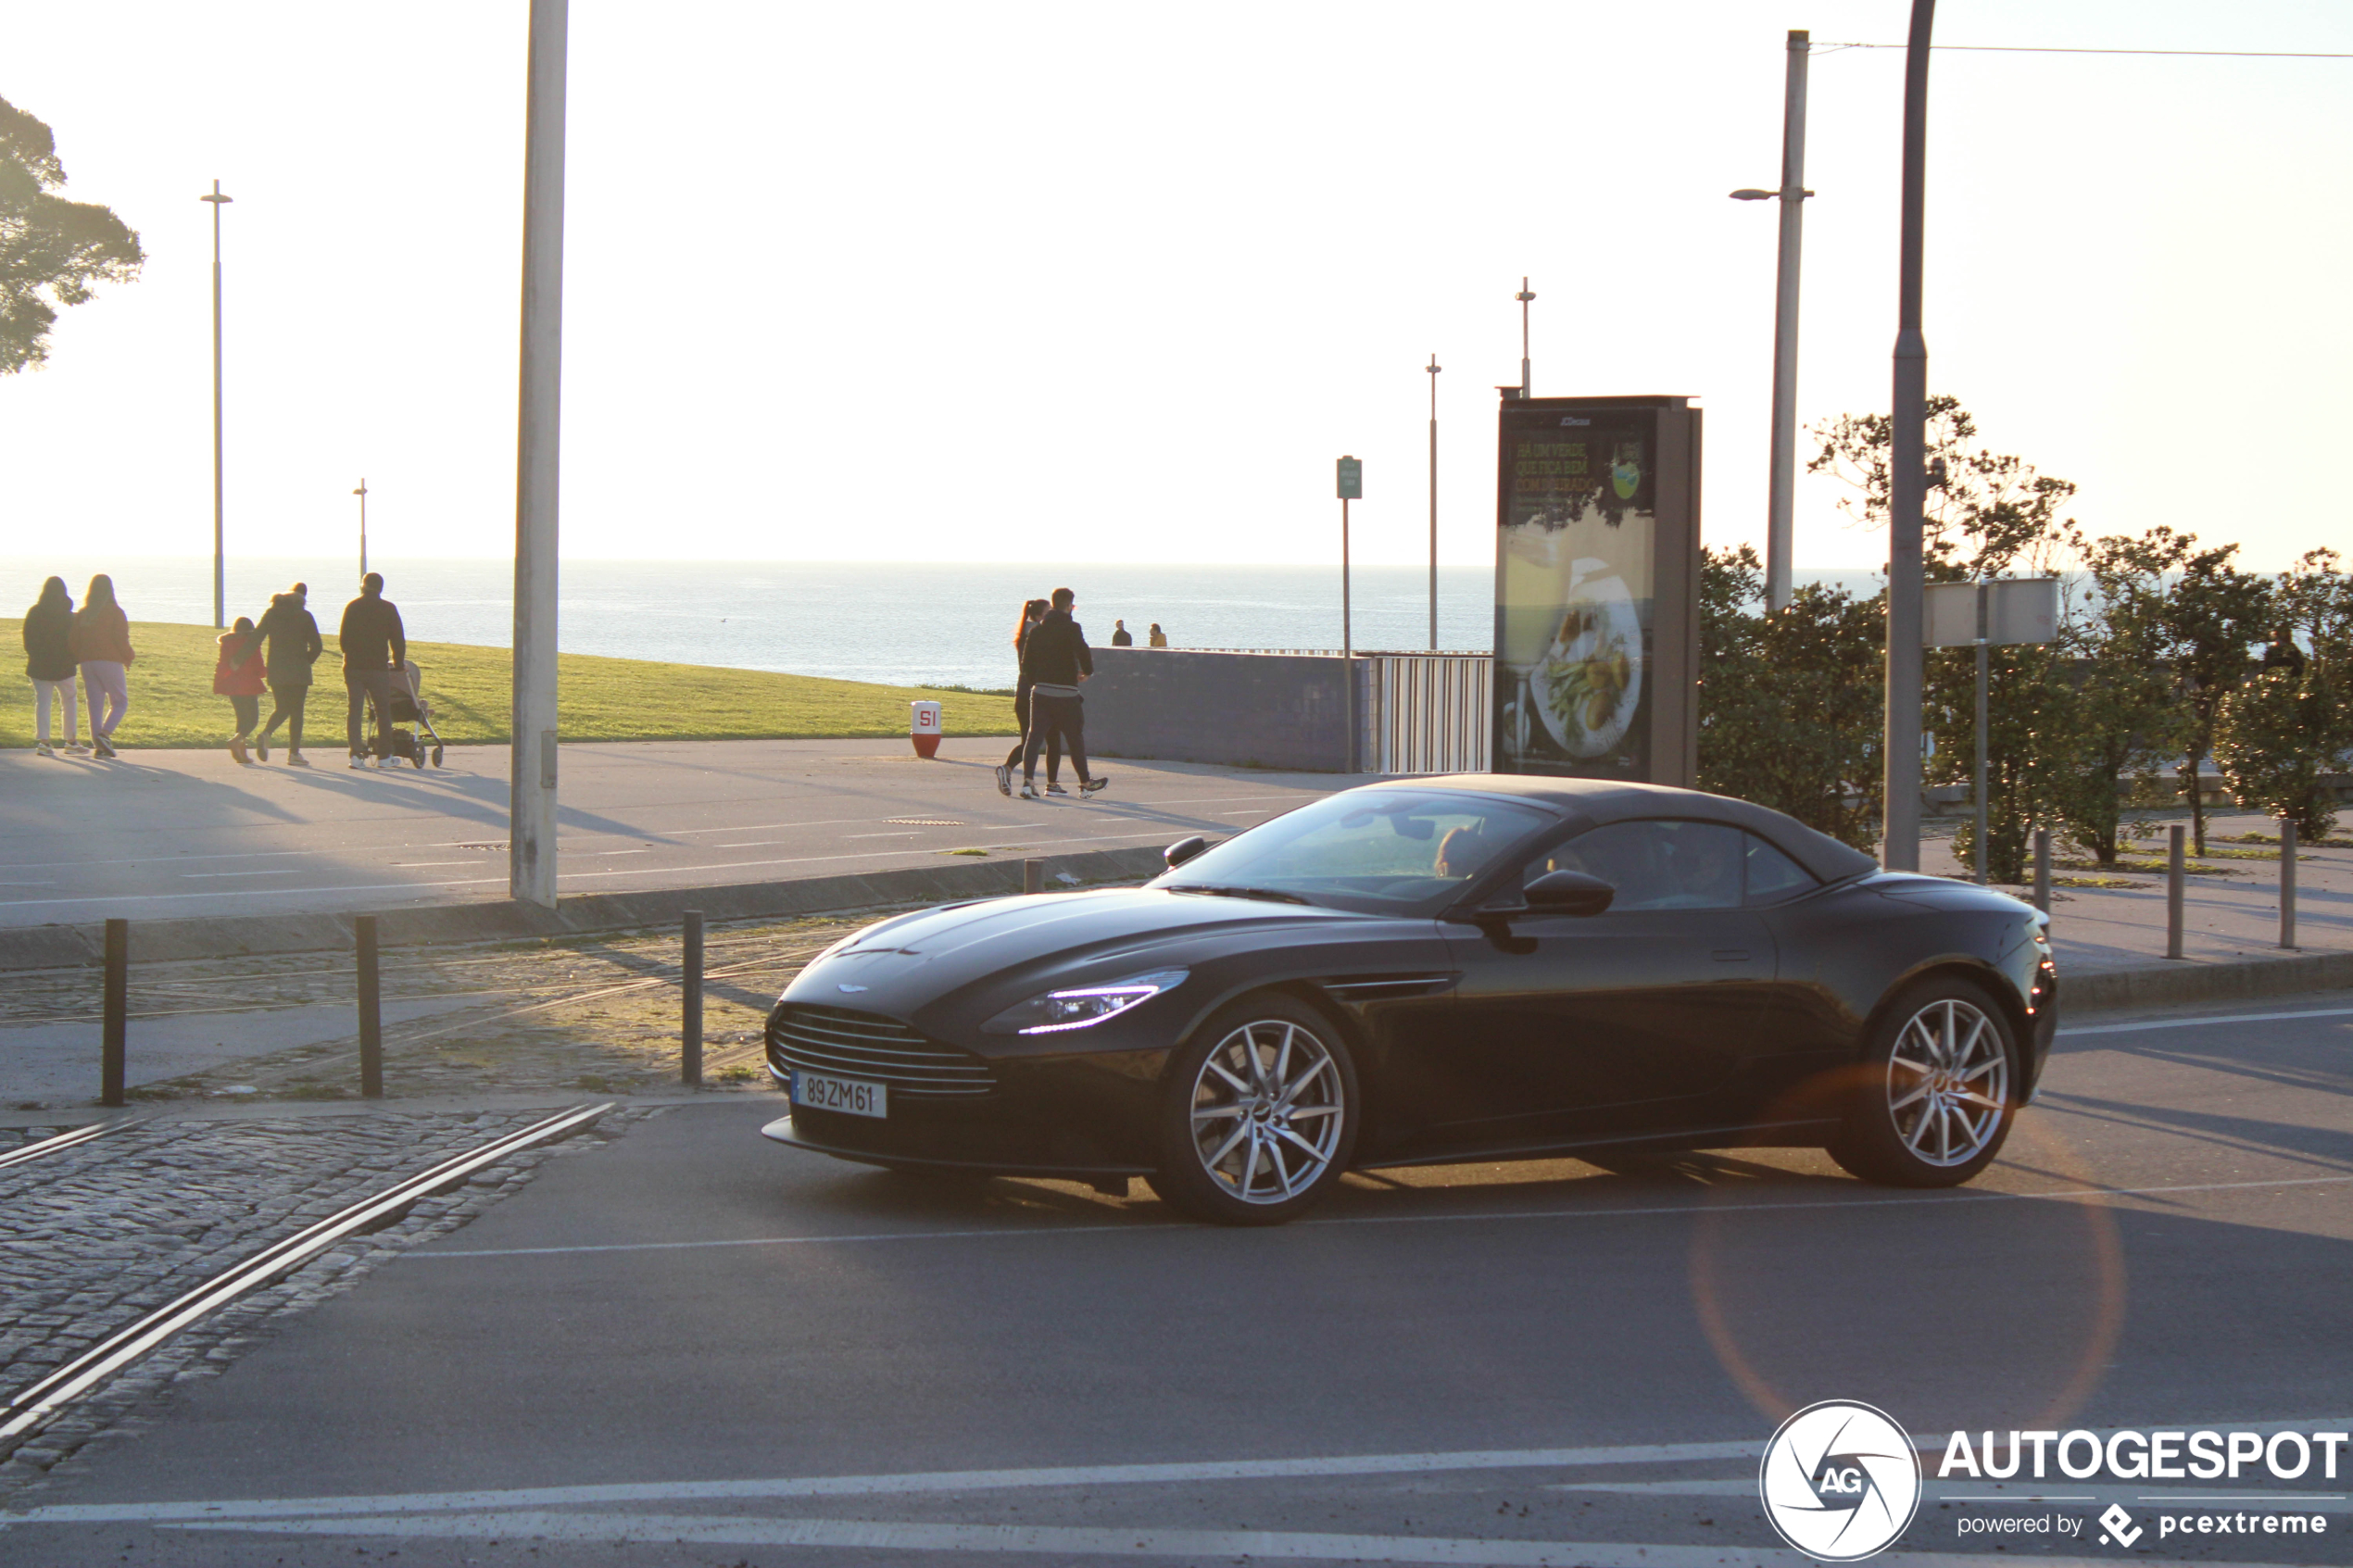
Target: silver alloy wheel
{"type": "Point", "coordinates": [1948, 1083]}
{"type": "Point", "coordinates": [1267, 1110]}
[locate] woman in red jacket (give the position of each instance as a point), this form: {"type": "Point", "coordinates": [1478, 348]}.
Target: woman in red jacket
{"type": "Point", "coordinates": [101, 644]}
{"type": "Point", "coordinates": [238, 675]}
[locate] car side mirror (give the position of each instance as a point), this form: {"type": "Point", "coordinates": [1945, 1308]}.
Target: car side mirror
{"type": "Point", "coordinates": [1570, 892]}
{"type": "Point", "coordinates": [1183, 850]}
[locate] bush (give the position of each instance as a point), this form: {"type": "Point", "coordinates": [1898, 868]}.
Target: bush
{"type": "Point", "coordinates": [2272, 742]}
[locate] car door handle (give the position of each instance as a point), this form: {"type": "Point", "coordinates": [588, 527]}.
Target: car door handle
{"type": "Point", "coordinates": [1732, 955]}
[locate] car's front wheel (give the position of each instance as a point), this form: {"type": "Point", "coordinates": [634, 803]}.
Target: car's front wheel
{"type": "Point", "coordinates": [1933, 1104]}
{"type": "Point", "coordinates": [1258, 1114]}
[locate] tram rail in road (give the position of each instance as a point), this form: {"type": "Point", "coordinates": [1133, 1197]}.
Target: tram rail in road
{"type": "Point", "coordinates": [31, 1407]}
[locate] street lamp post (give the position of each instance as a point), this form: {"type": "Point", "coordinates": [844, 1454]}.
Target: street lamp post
{"type": "Point", "coordinates": [362, 494]}
{"type": "Point", "coordinates": [1524, 296]}
{"type": "Point", "coordinates": [1434, 368]}
{"type": "Point", "coordinates": [1907, 455]}
{"type": "Point", "coordinates": [531, 848]}
{"type": "Point", "coordinates": [220, 566]}
{"type": "Point", "coordinates": [1780, 526]}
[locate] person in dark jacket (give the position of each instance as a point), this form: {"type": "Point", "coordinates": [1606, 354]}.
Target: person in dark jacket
{"type": "Point", "coordinates": [375, 648]}
{"type": "Point", "coordinates": [1053, 664]}
{"type": "Point", "coordinates": [1032, 612]}
{"type": "Point", "coordinates": [294, 648]}
{"type": "Point", "coordinates": [1121, 637]}
{"type": "Point", "coordinates": [48, 658]}
{"type": "Point", "coordinates": [238, 673]}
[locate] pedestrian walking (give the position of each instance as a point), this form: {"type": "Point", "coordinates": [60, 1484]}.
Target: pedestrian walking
{"type": "Point", "coordinates": [375, 648]}
{"type": "Point", "coordinates": [101, 643]}
{"type": "Point", "coordinates": [1159, 637]}
{"type": "Point", "coordinates": [239, 673]}
{"type": "Point", "coordinates": [48, 658]}
{"type": "Point", "coordinates": [294, 648]}
{"type": "Point", "coordinates": [1032, 612]}
{"type": "Point", "coordinates": [1053, 661]}
{"type": "Point", "coordinates": [1121, 637]}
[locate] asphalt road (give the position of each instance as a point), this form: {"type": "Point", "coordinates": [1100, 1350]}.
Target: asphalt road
{"type": "Point", "coordinates": [158, 835]}
{"type": "Point", "coordinates": [693, 1347]}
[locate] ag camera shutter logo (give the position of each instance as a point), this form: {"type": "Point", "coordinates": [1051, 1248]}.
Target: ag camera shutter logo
{"type": "Point", "coordinates": [1840, 1481]}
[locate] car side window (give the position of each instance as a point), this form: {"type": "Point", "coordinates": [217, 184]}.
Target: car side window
{"type": "Point", "coordinates": [1773, 877]}
{"type": "Point", "coordinates": [1655, 865]}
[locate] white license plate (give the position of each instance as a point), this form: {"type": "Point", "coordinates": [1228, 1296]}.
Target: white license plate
{"type": "Point", "coordinates": [852, 1097]}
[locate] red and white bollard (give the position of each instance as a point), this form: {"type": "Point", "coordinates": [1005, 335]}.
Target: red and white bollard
{"type": "Point", "coordinates": [924, 728]}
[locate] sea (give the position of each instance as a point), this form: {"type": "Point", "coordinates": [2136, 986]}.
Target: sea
{"type": "Point", "coordinates": [933, 623]}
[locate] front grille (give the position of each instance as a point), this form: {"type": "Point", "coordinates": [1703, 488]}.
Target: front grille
{"type": "Point", "coordinates": [866, 1045]}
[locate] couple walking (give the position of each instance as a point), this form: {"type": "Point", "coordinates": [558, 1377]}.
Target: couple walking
{"type": "Point", "coordinates": [1054, 659]}
{"type": "Point", "coordinates": [281, 651]}
{"type": "Point", "coordinates": [94, 642]}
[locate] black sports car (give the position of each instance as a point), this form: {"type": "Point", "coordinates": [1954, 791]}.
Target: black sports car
{"type": "Point", "coordinates": [1439, 969]}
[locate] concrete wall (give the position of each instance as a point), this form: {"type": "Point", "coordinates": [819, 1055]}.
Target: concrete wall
{"type": "Point", "coordinates": [1277, 711]}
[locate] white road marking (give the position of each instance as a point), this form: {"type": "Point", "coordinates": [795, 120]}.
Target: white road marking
{"type": "Point", "coordinates": [425, 865]}
{"type": "Point", "coordinates": [849, 835]}
{"type": "Point", "coordinates": [204, 876]}
{"type": "Point", "coordinates": [917, 1483]}
{"type": "Point", "coordinates": [2201, 1023]}
{"type": "Point", "coordinates": [1147, 1227]}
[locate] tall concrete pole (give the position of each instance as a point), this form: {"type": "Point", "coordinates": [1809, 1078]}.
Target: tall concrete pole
{"type": "Point", "coordinates": [1434, 368]}
{"type": "Point", "coordinates": [1907, 456]}
{"type": "Point", "coordinates": [531, 853]}
{"type": "Point", "coordinates": [219, 554]}
{"type": "Point", "coordinates": [1524, 296]}
{"type": "Point", "coordinates": [1780, 525]}
{"type": "Point", "coordinates": [362, 494]}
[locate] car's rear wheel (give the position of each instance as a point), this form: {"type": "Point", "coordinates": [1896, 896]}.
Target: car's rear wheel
{"type": "Point", "coordinates": [1934, 1102]}
{"type": "Point", "coordinates": [1258, 1115]}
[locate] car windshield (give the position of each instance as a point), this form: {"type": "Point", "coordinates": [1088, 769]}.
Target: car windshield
{"type": "Point", "coordinates": [1385, 851]}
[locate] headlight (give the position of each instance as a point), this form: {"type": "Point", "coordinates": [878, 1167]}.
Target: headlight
{"type": "Point", "coordinates": [1083, 1005]}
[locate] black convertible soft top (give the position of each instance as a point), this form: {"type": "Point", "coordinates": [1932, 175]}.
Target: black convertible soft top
{"type": "Point", "coordinates": [1603, 801]}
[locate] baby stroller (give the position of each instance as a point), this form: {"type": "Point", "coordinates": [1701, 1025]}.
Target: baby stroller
{"type": "Point", "coordinates": [408, 706]}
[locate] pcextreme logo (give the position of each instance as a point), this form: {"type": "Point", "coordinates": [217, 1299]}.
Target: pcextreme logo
{"type": "Point", "coordinates": [1840, 1480]}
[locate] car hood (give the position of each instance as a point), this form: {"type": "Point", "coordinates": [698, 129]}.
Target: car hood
{"type": "Point", "coordinates": [1017, 946]}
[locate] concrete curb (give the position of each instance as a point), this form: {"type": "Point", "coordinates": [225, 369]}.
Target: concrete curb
{"type": "Point", "coordinates": [2170, 984]}
{"type": "Point", "coordinates": [66, 947]}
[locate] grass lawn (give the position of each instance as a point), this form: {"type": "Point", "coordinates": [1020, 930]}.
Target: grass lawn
{"type": "Point", "coordinates": [172, 705]}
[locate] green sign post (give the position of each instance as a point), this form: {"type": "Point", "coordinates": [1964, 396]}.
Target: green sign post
{"type": "Point", "coordinates": [1351, 488]}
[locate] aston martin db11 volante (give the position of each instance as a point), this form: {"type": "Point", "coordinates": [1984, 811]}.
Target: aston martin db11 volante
{"type": "Point", "coordinates": [1438, 969]}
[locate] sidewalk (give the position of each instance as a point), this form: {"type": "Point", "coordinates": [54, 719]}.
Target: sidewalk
{"type": "Point", "coordinates": [2229, 915]}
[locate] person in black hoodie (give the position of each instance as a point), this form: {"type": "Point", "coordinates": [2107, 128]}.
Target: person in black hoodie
{"type": "Point", "coordinates": [294, 647]}
{"type": "Point", "coordinates": [375, 648]}
{"type": "Point", "coordinates": [49, 661]}
{"type": "Point", "coordinates": [1053, 664]}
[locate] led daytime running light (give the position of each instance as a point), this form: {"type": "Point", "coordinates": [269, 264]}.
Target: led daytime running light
{"type": "Point", "coordinates": [1100, 1002]}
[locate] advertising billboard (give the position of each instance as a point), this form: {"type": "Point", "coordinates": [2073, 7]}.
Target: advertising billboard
{"type": "Point", "coordinates": [1596, 588]}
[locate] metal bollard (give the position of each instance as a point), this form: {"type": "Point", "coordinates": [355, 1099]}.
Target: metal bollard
{"type": "Point", "coordinates": [2287, 881]}
{"type": "Point", "coordinates": [1033, 876]}
{"type": "Point", "coordinates": [2174, 839]}
{"type": "Point", "coordinates": [371, 1015]}
{"type": "Point", "coordinates": [690, 1004]}
{"type": "Point", "coordinates": [116, 1024]}
{"type": "Point", "coordinates": [2042, 869]}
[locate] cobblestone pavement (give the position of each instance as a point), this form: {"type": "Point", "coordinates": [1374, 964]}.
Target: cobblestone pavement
{"type": "Point", "coordinates": [94, 1237]}
{"type": "Point", "coordinates": [595, 1014]}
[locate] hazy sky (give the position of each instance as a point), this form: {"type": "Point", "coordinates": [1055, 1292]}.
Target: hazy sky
{"type": "Point", "coordinates": [1117, 283]}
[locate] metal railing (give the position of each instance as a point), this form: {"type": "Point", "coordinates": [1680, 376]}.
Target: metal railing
{"type": "Point", "coordinates": [1428, 712]}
